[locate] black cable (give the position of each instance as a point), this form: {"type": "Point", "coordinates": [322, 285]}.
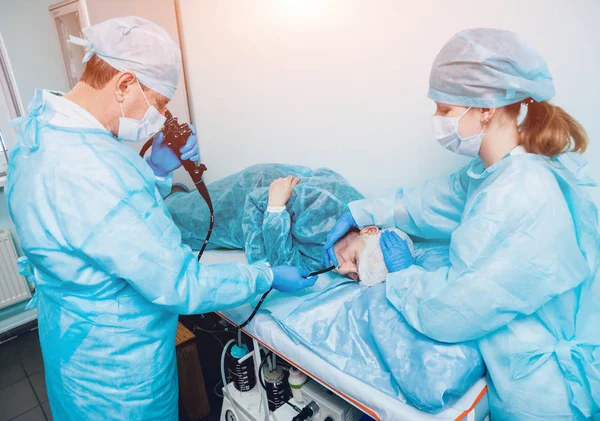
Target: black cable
{"type": "Point", "coordinates": [261, 378]}
{"type": "Point", "coordinates": [260, 367]}
{"type": "Point", "coordinates": [249, 319]}
{"type": "Point", "coordinates": [243, 325]}
{"type": "Point", "coordinates": [284, 364]}
{"type": "Point", "coordinates": [307, 412]}
{"type": "Point", "coordinates": [216, 387]}
{"type": "Point", "coordinates": [260, 302]}
{"type": "Point", "coordinates": [298, 410]}
{"type": "Point", "coordinates": [195, 328]}
{"type": "Point", "coordinates": [203, 190]}
{"type": "Point", "coordinates": [233, 329]}
{"type": "Point", "coordinates": [319, 272]}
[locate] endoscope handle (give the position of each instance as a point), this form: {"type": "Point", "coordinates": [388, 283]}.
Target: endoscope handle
{"type": "Point", "coordinates": [175, 143]}
{"type": "Point", "coordinates": [195, 171]}
{"type": "Point", "coordinates": [176, 136]}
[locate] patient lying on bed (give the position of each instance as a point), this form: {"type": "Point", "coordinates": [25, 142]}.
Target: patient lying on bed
{"type": "Point", "coordinates": [285, 227]}
{"type": "Point", "coordinates": [359, 332]}
{"type": "Point", "coordinates": [353, 328]}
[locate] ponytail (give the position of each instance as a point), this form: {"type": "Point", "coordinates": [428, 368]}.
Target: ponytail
{"type": "Point", "coordinates": [549, 130]}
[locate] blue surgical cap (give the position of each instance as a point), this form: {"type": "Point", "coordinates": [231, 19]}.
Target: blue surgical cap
{"type": "Point", "coordinates": [136, 45]}
{"type": "Point", "coordinates": [489, 68]}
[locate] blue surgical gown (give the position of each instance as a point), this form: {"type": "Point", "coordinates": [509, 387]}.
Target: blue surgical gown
{"type": "Point", "coordinates": [293, 236]}
{"type": "Point", "coordinates": [522, 278]}
{"type": "Point", "coordinates": [109, 267]}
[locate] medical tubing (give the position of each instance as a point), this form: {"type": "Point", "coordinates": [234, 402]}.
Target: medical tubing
{"type": "Point", "coordinates": [262, 299]}
{"type": "Point", "coordinates": [249, 319]}
{"type": "Point", "coordinates": [315, 273]}
{"type": "Point", "coordinates": [224, 380]}
{"type": "Point", "coordinates": [278, 400]}
{"type": "Point", "coordinates": [263, 396]}
{"type": "Point", "coordinates": [320, 272]}
{"type": "Point", "coordinates": [260, 367]}
{"type": "Point", "coordinates": [203, 190]}
{"type": "Point", "coordinates": [264, 386]}
{"type": "Point", "coordinates": [294, 407]}
{"type": "Point", "coordinates": [307, 412]}
{"type": "Point", "coordinates": [223, 354]}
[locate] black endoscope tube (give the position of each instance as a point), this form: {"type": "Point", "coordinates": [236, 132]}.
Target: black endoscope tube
{"type": "Point", "coordinates": [249, 319]}
{"type": "Point", "coordinates": [195, 173]}
{"type": "Point", "coordinates": [262, 299]}
{"type": "Point", "coordinates": [320, 272]}
{"type": "Point", "coordinates": [201, 187]}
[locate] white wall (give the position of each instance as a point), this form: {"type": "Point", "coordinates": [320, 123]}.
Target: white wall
{"type": "Point", "coordinates": [32, 45]}
{"type": "Point", "coordinates": [343, 83]}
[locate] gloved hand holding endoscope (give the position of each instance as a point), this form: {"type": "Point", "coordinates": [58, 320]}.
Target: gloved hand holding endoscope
{"type": "Point", "coordinates": [291, 278]}
{"type": "Point", "coordinates": [173, 147]}
{"type": "Point", "coordinates": [163, 160]}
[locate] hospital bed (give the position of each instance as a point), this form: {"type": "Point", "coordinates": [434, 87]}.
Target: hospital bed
{"type": "Point", "coordinates": [265, 330]}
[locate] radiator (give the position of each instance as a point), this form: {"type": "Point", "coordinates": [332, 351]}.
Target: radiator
{"type": "Point", "coordinates": [13, 287]}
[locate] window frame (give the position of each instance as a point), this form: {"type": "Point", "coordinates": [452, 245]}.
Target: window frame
{"type": "Point", "coordinates": [8, 85]}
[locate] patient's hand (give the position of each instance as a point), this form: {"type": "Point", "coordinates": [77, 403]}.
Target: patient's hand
{"type": "Point", "coordinates": [280, 190]}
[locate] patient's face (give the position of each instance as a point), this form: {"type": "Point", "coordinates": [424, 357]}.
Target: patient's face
{"type": "Point", "coordinates": [349, 249]}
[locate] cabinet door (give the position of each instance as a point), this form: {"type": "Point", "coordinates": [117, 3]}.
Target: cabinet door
{"type": "Point", "coordinates": [10, 108]}
{"type": "Point", "coordinates": [69, 17]}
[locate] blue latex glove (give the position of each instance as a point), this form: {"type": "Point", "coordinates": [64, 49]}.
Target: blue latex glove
{"type": "Point", "coordinates": [396, 253]}
{"type": "Point", "coordinates": [291, 278]}
{"type": "Point", "coordinates": [163, 160]}
{"type": "Point", "coordinates": [344, 224]}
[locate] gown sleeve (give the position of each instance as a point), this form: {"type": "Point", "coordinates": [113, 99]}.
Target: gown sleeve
{"type": "Point", "coordinates": [514, 251]}
{"type": "Point", "coordinates": [432, 211]}
{"type": "Point", "coordinates": [164, 184]}
{"type": "Point", "coordinates": [118, 223]}
{"type": "Point", "coordinates": [279, 242]}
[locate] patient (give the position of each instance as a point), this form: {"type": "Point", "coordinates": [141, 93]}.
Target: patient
{"type": "Point", "coordinates": [359, 254]}
{"type": "Point", "coordinates": [286, 213]}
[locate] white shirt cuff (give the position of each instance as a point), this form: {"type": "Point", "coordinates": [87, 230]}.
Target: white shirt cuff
{"type": "Point", "coordinates": [275, 209]}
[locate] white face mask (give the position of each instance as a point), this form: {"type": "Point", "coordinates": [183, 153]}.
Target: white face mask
{"type": "Point", "coordinates": [131, 130]}
{"type": "Point", "coordinates": [445, 130]}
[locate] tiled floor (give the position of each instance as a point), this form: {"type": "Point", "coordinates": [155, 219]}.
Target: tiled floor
{"type": "Point", "coordinates": [23, 395]}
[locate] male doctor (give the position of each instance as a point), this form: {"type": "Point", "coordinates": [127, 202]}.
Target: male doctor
{"type": "Point", "coordinates": [110, 271]}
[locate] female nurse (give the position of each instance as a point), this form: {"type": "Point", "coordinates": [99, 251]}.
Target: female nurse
{"type": "Point", "coordinates": [524, 243]}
